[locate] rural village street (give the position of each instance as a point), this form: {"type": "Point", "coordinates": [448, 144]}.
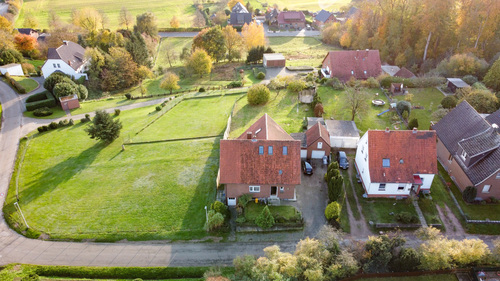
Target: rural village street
{"type": "Point", "coordinates": [15, 248]}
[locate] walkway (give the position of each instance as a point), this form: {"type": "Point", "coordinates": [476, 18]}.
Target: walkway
{"type": "Point", "coordinates": [359, 228]}
{"type": "Point", "coordinates": [419, 213]}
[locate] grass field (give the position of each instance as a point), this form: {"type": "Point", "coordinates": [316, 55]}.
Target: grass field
{"type": "Point", "coordinates": [333, 105]}
{"type": "Point", "coordinates": [93, 105]}
{"type": "Point", "coordinates": [72, 187]}
{"type": "Point", "coordinates": [299, 51]}
{"type": "Point", "coordinates": [440, 277]}
{"type": "Point", "coordinates": [281, 107]}
{"type": "Point", "coordinates": [191, 118]}
{"type": "Point", "coordinates": [177, 43]}
{"type": "Point", "coordinates": [429, 98]}
{"type": "Point", "coordinates": [57, 112]}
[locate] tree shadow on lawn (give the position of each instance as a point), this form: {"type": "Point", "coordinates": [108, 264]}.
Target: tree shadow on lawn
{"type": "Point", "coordinates": [52, 177]}
{"type": "Point", "coordinates": [203, 197]}
{"type": "Point", "coordinates": [249, 112]}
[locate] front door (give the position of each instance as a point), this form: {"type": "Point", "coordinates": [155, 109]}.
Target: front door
{"type": "Point", "coordinates": [274, 191]}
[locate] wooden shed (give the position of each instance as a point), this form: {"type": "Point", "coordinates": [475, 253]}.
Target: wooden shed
{"type": "Point", "coordinates": [69, 102]}
{"type": "Point", "coordinates": [456, 83]}
{"type": "Point", "coordinates": [397, 88]}
{"type": "Point", "coordinates": [274, 60]}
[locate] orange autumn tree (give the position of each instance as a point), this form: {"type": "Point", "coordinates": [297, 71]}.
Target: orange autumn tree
{"type": "Point", "coordinates": [25, 43]}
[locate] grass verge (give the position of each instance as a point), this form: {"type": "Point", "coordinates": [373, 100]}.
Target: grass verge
{"type": "Point", "coordinates": [57, 113]}
{"type": "Point", "coordinates": [28, 83]}
{"type": "Point", "coordinates": [350, 195]}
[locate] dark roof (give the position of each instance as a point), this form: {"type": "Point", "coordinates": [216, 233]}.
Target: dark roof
{"type": "Point", "coordinates": [459, 83]}
{"type": "Point", "coordinates": [27, 31]}
{"type": "Point", "coordinates": [494, 118]}
{"type": "Point", "coordinates": [291, 17]}
{"type": "Point", "coordinates": [342, 128]}
{"type": "Point", "coordinates": [481, 143]}
{"type": "Point", "coordinates": [408, 152]}
{"type": "Point", "coordinates": [323, 16]}
{"type": "Point", "coordinates": [345, 64]}
{"type": "Point", "coordinates": [405, 73]}
{"type": "Point", "coordinates": [301, 137]}
{"type": "Point", "coordinates": [272, 14]}
{"type": "Point", "coordinates": [69, 52]}
{"type": "Point", "coordinates": [313, 120]}
{"type": "Point", "coordinates": [240, 162]}
{"type": "Point", "coordinates": [240, 15]}
{"type": "Point", "coordinates": [239, 8]}
{"type": "Point", "coordinates": [316, 132]}
{"type": "Point", "coordinates": [460, 126]}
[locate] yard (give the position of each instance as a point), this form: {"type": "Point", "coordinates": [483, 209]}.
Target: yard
{"type": "Point", "coordinates": [72, 187]}
{"type": "Point", "coordinates": [440, 277]}
{"type": "Point", "coordinates": [301, 51]}
{"type": "Point", "coordinates": [282, 107]}
{"type": "Point", "coordinates": [429, 98]}
{"type": "Point", "coordinates": [57, 112]}
{"type": "Point", "coordinates": [175, 43]}
{"type": "Point", "coordinates": [253, 210]}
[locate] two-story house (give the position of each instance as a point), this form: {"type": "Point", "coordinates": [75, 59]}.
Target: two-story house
{"type": "Point", "coordinates": [360, 64]}
{"type": "Point", "coordinates": [68, 58]}
{"type": "Point", "coordinates": [396, 164]}
{"type": "Point", "coordinates": [240, 15]}
{"type": "Point", "coordinates": [264, 161]}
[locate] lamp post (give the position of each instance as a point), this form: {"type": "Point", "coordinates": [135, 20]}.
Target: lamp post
{"type": "Point", "coordinates": [206, 212]}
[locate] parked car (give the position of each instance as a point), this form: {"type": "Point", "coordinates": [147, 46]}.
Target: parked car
{"type": "Point", "coordinates": [325, 160]}
{"type": "Point", "coordinates": [307, 168]}
{"type": "Point", "coordinates": [308, 27]}
{"type": "Point", "coordinates": [342, 159]}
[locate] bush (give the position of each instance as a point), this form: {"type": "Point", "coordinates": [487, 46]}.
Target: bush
{"type": "Point", "coordinates": [413, 124]}
{"type": "Point", "coordinates": [49, 101]}
{"type": "Point", "coordinates": [332, 211]}
{"type": "Point", "coordinates": [234, 84]}
{"type": "Point", "coordinates": [63, 89]}
{"type": "Point", "coordinates": [215, 220]}
{"type": "Point", "coordinates": [244, 199]}
{"type": "Point", "coordinates": [82, 92]}
{"type": "Point", "coordinates": [449, 102]}
{"type": "Point", "coordinates": [469, 79]}
{"type": "Point", "coordinates": [84, 120]}
{"type": "Point", "coordinates": [258, 94]}
{"type": "Point", "coordinates": [201, 90]}
{"type": "Point", "coordinates": [372, 83]}
{"type": "Point", "coordinates": [469, 194]}
{"type": "Point", "coordinates": [405, 217]}
{"type": "Point", "coordinates": [71, 122]}
{"type": "Point", "coordinates": [128, 96]}
{"type": "Point", "coordinates": [36, 97]}
{"type": "Point", "coordinates": [54, 79]}
{"type": "Point", "coordinates": [403, 106]}
{"type": "Point", "coordinates": [40, 129]}
{"type": "Point", "coordinates": [296, 86]}
{"type": "Point", "coordinates": [261, 75]}
{"type": "Point", "coordinates": [44, 111]}
{"type": "Point", "coordinates": [117, 112]}
{"type": "Point", "coordinates": [53, 125]}
{"type": "Point", "coordinates": [103, 127]}
{"type": "Point", "coordinates": [265, 219]}
{"type": "Point", "coordinates": [158, 108]}
{"type": "Point", "coordinates": [219, 207]}
{"type": "Point", "coordinates": [318, 110]}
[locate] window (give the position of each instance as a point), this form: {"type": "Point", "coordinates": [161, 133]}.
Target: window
{"type": "Point", "coordinates": [58, 66]}
{"type": "Point", "coordinates": [498, 176]}
{"type": "Point", "coordinates": [386, 162]}
{"type": "Point", "coordinates": [320, 145]}
{"type": "Point", "coordinates": [486, 188]}
{"type": "Point", "coordinates": [381, 187]}
{"type": "Point", "coordinates": [352, 72]}
{"type": "Point", "coordinates": [450, 158]}
{"type": "Point", "coordinates": [282, 188]}
{"type": "Point", "coordinates": [254, 188]}
{"type": "Point", "coordinates": [401, 187]}
{"type": "Point", "coordinates": [463, 155]}
{"type": "Point", "coordinates": [261, 149]}
{"type": "Point", "coordinates": [364, 72]}
{"type": "Point", "coordinates": [54, 65]}
{"type": "Point", "coordinates": [285, 150]}
{"type": "Point", "coordinates": [270, 150]}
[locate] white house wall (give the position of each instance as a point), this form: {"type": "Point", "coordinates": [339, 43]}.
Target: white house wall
{"type": "Point", "coordinates": [361, 161]}
{"type": "Point", "coordinates": [426, 180]}
{"type": "Point", "coordinates": [391, 189]}
{"type": "Point", "coordinates": [344, 142]}
{"type": "Point", "coordinates": [13, 70]}
{"type": "Point", "coordinates": [48, 68]}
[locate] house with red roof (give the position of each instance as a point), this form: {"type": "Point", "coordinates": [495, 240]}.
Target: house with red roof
{"type": "Point", "coordinates": [360, 64]}
{"type": "Point", "coordinates": [292, 19]}
{"type": "Point", "coordinates": [396, 164]}
{"type": "Point", "coordinates": [315, 142]}
{"type": "Point", "coordinates": [264, 161]}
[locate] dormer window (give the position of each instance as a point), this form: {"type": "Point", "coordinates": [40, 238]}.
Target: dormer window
{"type": "Point", "coordinates": [386, 163]}
{"type": "Point", "coordinates": [463, 155]}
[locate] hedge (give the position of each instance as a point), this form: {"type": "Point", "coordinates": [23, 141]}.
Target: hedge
{"type": "Point", "coordinates": [49, 102]}
{"type": "Point", "coordinates": [180, 29]}
{"type": "Point", "coordinates": [151, 273]}
{"type": "Point", "coordinates": [20, 89]}
{"type": "Point", "coordinates": [37, 97]}
{"type": "Point", "coordinates": [419, 82]}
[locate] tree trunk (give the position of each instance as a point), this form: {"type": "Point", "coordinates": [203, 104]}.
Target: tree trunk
{"type": "Point", "coordinates": [427, 45]}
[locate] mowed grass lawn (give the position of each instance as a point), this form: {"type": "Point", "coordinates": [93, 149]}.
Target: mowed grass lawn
{"type": "Point", "coordinates": [281, 107]}
{"type": "Point", "coordinates": [200, 117]}
{"type": "Point", "coordinates": [28, 83]}
{"type": "Point", "coordinates": [177, 43]}
{"type": "Point", "coordinates": [301, 51]}
{"type": "Point", "coordinates": [73, 187]}
{"type": "Point", "coordinates": [333, 104]}
{"type": "Point", "coordinates": [429, 98]}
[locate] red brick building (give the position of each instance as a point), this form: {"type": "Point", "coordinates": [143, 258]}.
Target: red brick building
{"type": "Point", "coordinates": [264, 162]}
{"type": "Point", "coordinates": [292, 19]}
{"type": "Point", "coordinates": [360, 64]}
{"type": "Point", "coordinates": [315, 142]}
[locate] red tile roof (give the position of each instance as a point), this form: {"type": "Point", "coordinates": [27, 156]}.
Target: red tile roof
{"type": "Point", "coordinates": [404, 73]}
{"type": "Point", "coordinates": [317, 131]}
{"type": "Point", "coordinates": [291, 17]}
{"type": "Point", "coordinates": [240, 161]}
{"type": "Point", "coordinates": [341, 64]}
{"type": "Point", "coordinates": [408, 152]}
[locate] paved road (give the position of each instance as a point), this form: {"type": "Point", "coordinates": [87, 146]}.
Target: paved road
{"type": "Point", "coordinates": [3, 8]}
{"type": "Point", "coordinates": [299, 33]}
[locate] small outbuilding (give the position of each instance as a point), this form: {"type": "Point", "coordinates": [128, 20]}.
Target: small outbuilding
{"type": "Point", "coordinates": [69, 102]}
{"type": "Point", "coordinates": [14, 69]}
{"type": "Point", "coordinates": [343, 134]}
{"type": "Point", "coordinates": [397, 89]}
{"type": "Point", "coordinates": [456, 83]}
{"type": "Point", "coordinates": [314, 143]}
{"type": "Point", "coordinates": [274, 60]}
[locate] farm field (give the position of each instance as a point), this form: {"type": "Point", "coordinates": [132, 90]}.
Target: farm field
{"type": "Point", "coordinates": [73, 187]}
{"type": "Point", "coordinates": [301, 51]}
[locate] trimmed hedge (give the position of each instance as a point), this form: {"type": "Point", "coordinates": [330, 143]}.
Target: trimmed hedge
{"type": "Point", "coordinates": [49, 102]}
{"type": "Point", "coordinates": [180, 29]}
{"type": "Point", "coordinates": [150, 273]}
{"type": "Point", "coordinates": [37, 97]}
{"type": "Point", "coordinates": [419, 82]}
{"type": "Point", "coordinates": [15, 85]}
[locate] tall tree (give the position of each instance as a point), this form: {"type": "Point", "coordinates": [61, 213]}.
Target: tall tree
{"type": "Point", "coordinates": [212, 41]}
{"type": "Point", "coordinates": [356, 101]}
{"type": "Point", "coordinates": [136, 46]}
{"type": "Point", "coordinates": [174, 22]}
{"type": "Point", "coordinates": [146, 23]}
{"type": "Point", "coordinates": [5, 24]}
{"type": "Point", "coordinates": [233, 42]}
{"type": "Point", "coordinates": [492, 78]}
{"type": "Point", "coordinates": [169, 82]}
{"type": "Point", "coordinates": [103, 127]}
{"type": "Point", "coordinates": [253, 35]}
{"type": "Point", "coordinates": [126, 18]}
{"type": "Point", "coordinates": [87, 18]}
{"type": "Point", "coordinates": [25, 43]}
{"type": "Point", "coordinates": [199, 62]}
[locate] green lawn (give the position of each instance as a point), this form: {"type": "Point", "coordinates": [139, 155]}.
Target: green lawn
{"type": "Point", "coordinates": [333, 101]}
{"type": "Point", "coordinates": [253, 210]}
{"type": "Point", "coordinates": [93, 105]}
{"type": "Point", "coordinates": [350, 195]}
{"type": "Point", "coordinates": [299, 51]}
{"type": "Point", "coordinates": [428, 208]}
{"type": "Point", "coordinates": [344, 219]}
{"type": "Point", "coordinates": [28, 83]}
{"type": "Point", "coordinates": [191, 118]}
{"type": "Point", "coordinates": [177, 43]}
{"type": "Point", "coordinates": [429, 98]}
{"type": "Point", "coordinates": [57, 113]}
{"type": "Point", "coordinates": [440, 277]}
{"type": "Point", "coordinates": [72, 187]}
{"type": "Point", "coordinates": [281, 107]}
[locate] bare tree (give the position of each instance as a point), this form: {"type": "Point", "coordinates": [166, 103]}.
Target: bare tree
{"type": "Point", "coordinates": [356, 101]}
{"type": "Point", "coordinates": [126, 18]}
{"type": "Point", "coordinates": [170, 54]}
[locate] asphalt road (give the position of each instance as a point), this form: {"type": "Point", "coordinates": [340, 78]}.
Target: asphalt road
{"type": "Point", "coordinates": [300, 33]}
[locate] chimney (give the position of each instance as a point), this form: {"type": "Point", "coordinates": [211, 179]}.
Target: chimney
{"type": "Point", "coordinates": [249, 135]}
{"type": "Point", "coordinates": [414, 130]}
{"type": "Point", "coordinates": [495, 128]}
{"type": "Point", "coordinates": [65, 42]}
{"type": "Point", "coordinates": [69, 62]}
{"type": "Point", "coordinates": [387, 129]}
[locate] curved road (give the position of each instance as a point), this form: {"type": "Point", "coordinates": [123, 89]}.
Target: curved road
{"type": "Point", "coordinates": [15, 248]}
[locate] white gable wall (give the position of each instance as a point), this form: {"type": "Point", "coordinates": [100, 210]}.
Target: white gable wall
{"type": "Point", "coordinates": [361, 161]}
{"type": "Point", "coordinates": [51, 65]}
{"type": "Point", "coordinates": [14, 70]}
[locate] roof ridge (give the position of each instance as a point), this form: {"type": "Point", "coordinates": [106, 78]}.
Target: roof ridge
{"type": "Point", "coordinates": [265, 122]}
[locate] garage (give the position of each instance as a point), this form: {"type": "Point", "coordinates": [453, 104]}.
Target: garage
{"type": "Point", "coordinates": [231, 201]}
{"type": "Point", "coordinates": [303, 153]}
{"type": "Point", "coordinates": [317, 154]}
{"type": "Point", "coordinates": [274, 60]}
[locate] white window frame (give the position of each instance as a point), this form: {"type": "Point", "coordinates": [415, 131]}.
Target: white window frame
{"type": "Point", "coordinates": [381, 187]}
{"type": "Point", "coordinates": [463, 155]}
{"type": "Point", "coordinates": [486, 188]}
{"type": "Point", "coordinates": [498, 176]}
{"type": "Point", "coordinates": [320, 145]}
{"type": "Point", "coordinates": [254, 188]}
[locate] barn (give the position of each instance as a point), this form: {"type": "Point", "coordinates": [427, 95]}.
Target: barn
{"type": "Point", "coordinates": [274, 60]}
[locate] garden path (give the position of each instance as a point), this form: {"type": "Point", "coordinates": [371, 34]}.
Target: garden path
{"type": "Point", "coordinates": [453, 226]}
{"type": "Point", "coordinates": [359, 228]}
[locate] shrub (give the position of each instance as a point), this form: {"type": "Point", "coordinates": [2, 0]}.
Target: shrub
{"type": "Point", "coordinates": [261, 75]}
{"type": "Point", "coordinates": [158, 108]}
{"type": "Point", "coordinates": [63, 89]}
{"type": "Point", "coordinates": [84, 120]}
{"type": "Point", "coordinates": [39, 104]}
{"type": "Point", "coordinates": [405, 217]}
{"type": "Point", "coordinates": [201, 90]}
{"type": "Point", "coordinates": [61, 123]}
{"type": "Point", "coordinates": [82, 92]}
{"type": "Point", "coordinates": [258, 94]}
{"type": "Point", "coordinates": [128, 96]}
{"type": "Point", "coordinates": [234, 84]}
{"type": "Point", "coordinates": [469, 194]}
{"type": "Point", "coordinates": [28, 68]}
{"type": "Point", "coordinates": [36, 97]}
{"type": "Point", "coordinates": [241, 219]}
{"type": "Point", "coordinates": [40, 129]}
{"type": "Point", "coordinates": [265, 219]}
{"type": "Point", "coordinates": [87, 116]}
{"type": "Point", "coordinates": [469, 79]}
{"type": "Point", "coordinates": [117, 112]}
{"type": "Point", "coordinates": [53, 125]}
{"type": "Point", "coordinates": [372, 83]}
{"type": "Point", "coordinates": [41, 112]}
{"type": "Point", "coordinates": [219, 207]}
{"type": "Point", "coordinates": [449, 102]}
{"type": "Point", "coordinates": [403, 106]}
{"type": "Point", "coordinates": [332, 211]}
{"type": "Point", "coordinates": [413, 124]}
{"type": "Point", "coordinates": [318, 110]}
{"type": "Point", "coordinates": [215, 220]}
{"type": "Point", "coordinates": [296, 86]}
{"type": "Point", "coordinates": [244, 199]}
{"type": "Point", "coordinates": [54, 79]}
{"type": "Point", "coordinates": [71, 122]}
{"type": "Point", "coordinates": [104, 127]}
